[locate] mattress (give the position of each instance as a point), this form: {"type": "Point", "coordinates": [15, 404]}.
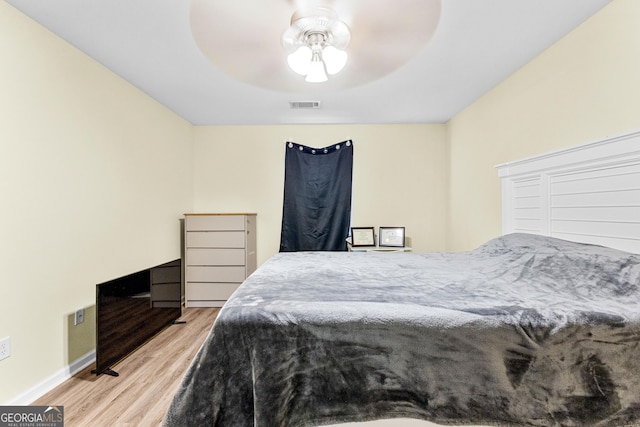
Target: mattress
{"type": "Point", "coordinates": [525, 330]}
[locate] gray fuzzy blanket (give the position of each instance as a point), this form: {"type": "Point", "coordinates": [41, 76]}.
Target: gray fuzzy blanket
{"type": "Point", "coordinates": [525, 330]}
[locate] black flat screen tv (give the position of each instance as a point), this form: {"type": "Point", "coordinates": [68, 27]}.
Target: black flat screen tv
{"type": "Point", "coordinates": [132, 309]}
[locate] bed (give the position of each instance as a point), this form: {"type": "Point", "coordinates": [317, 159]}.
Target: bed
{"type": "Point", "coordinates": [526, 330]}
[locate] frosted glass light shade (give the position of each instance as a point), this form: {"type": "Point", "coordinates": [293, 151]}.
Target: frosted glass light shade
{"type": "Point", "coordinates": [316, 72]}
{"type": "Point", "coordinates": [334, 59]}
{"type": "Point", "coordinates": [300, 60]}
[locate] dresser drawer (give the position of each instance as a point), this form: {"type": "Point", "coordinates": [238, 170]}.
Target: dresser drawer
{"type": "Point", "coordinates": [210, 291]}
{"type": "Point", "coordinates": [215, 274]}
{"type": "Point", "coordinates": [215, 222]}
{"type": "Point", "coordinates": [215, 239]}
{"type": "Point", "coordinates": [206, 256]}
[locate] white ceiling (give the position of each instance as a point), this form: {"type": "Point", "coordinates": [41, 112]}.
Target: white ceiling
{"type": "Point", "coordinates": [477, 44]}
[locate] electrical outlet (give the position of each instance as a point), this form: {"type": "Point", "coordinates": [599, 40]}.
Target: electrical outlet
{"type": "Point", "coordinates": [79, 317]}
{"type": "Point", "coordinates": [5, 347]}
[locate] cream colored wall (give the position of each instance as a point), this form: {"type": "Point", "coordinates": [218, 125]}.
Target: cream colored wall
{"type": "Point", "coordinates": [94, 176]}
{"type": "Point", "coordinates": [399, 176]}
{"type": "Point", "coordinates": [584, 88]}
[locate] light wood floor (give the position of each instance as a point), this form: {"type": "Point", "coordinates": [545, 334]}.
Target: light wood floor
{"type": "Point", "coordinates": [149, 377]}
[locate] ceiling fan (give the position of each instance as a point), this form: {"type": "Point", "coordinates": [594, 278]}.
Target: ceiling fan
{"type": "Point", "coordinates": [250, 40]}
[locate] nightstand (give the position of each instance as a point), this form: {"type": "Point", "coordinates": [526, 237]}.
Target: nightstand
{"type": "Point", "coordinates": [378, 248]}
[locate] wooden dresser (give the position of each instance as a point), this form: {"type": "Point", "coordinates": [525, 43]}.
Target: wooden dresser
{"type": "Point", "coordinates": [220, 252]}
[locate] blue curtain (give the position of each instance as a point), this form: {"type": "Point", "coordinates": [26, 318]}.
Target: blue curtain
{"type": "Point", "coordinates": [317, 197]}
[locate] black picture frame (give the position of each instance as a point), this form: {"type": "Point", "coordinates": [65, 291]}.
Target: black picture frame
{"type": "Point", "coordinates": [362, 236]}
{"type": "Point", "coordinates": [392, 237]}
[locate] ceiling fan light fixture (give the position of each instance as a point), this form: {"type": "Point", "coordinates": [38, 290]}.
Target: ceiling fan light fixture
{"type": "Point", "coordinates": [316, 72]}
{"type": "Point", "coordinates": [300, 60]}
{"type": "Point", "coordinates": [316, 40]}
{"type": "Point", "coordinates": [334, 59]}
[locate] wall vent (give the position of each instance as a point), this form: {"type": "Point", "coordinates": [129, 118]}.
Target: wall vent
{"type": "Point", "coordinates": [304, 104]}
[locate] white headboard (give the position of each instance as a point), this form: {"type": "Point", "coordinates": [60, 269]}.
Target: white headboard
{"type": "Point", "coordinates": [589, 193]}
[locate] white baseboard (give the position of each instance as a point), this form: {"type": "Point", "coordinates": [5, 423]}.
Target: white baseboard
{"type": "Point", "coordinates": [53, 381]}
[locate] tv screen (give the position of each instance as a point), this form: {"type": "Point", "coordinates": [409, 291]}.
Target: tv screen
{"type": "Point", "coordinates": [132, 309]}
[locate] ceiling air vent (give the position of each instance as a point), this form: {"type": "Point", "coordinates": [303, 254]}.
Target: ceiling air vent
{"type": "Point", "coordinates": [304, 104]}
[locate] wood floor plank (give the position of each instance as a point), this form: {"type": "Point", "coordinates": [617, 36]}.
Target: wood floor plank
{"type": "Point", "coordinates": [148, 379]}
